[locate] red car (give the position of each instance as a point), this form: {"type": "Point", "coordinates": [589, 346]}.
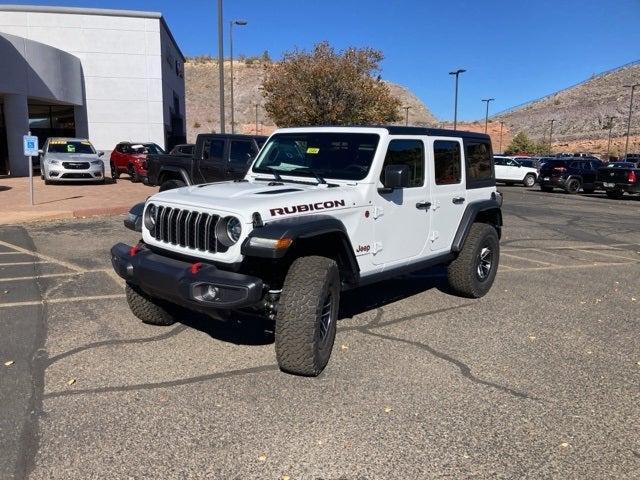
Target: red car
{"type": "Point", "coordinates": [131, 158]}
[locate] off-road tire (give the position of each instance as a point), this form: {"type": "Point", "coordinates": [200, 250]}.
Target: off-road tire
{"type": "Point", "coordinates": [149, 310]}
{"type": "Point", "coordinates": [616, 194]}
{"type": "Point", "coordinates": [300, 347]}
{"type": "Point", "coordinates": [573, 186]}
{"type": "Point", "coordinates": [529, 180]}
{"type": "Point", "coordinates": [546, 189]}
{"type": "Point", "coordinates": [462, 273]}
{"type": "Point", "coordinates": [133, 175]}
{"type": "Point", "coordinates": [115, 174]}
{"type": "Point", "coordinates": [171, 184]}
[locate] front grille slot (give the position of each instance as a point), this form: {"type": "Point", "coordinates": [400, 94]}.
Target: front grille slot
{"type": "Point", "coordinates": [188, 229]}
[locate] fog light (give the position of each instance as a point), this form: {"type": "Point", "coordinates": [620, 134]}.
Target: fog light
{"type": "Point", "coordinates": [210, 293]}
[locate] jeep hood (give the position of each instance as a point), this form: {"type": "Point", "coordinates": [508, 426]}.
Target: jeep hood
{"type": "Point", "coordinates": [270, 199]}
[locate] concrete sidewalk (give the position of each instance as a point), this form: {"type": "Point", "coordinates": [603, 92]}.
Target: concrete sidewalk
{"type": "Point", "coordinates": [66, 200]}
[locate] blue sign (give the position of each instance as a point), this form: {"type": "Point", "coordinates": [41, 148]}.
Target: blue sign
{"type": "Point", "coordinates": [30, 146]}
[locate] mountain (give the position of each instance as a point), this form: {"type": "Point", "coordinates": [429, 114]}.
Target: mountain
{"type": "Point", "coordinates": [581, 112]}
{"type": "Point", "coordinates": [202, 93]}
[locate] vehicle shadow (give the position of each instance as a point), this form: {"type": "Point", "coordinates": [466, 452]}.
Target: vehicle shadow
{"type": "Point", "coordinates": [245, 328]}
{"type": "Point", "coordinates": [4, 188]}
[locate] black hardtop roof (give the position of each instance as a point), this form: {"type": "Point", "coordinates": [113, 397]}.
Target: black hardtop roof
{"type": "Point", "coordinates": [233, 135]}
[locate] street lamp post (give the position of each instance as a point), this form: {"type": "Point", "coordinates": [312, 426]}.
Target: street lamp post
{"type": "Point", "coordinates": [257, 104]}
{"type": "Point", "coordinates": [406, 116]}
{"type": "Point", "coordinates": [626, 146]}
{"type": "Point", "coordinates": [501, 126]}
{"type": "Point", "coordinates": [231, 24]}
{"type": "Point", "coordinates": [221, 65]}
{"type": "Point", "coordinates": [551, 134]}
{"type": "Point", "coordinates": [486, 115]}
{"type": "Point", "coordinates": [610, 125]}
{"type": "Point", "coordinates": [455, 104]}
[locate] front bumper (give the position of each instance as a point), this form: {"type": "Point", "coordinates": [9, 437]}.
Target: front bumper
{"type": "Point", "coordinates": [57, 173]}
{"type": "Point", "coordinates": [180, 282]}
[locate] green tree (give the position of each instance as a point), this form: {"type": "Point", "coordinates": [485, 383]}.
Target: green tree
{"type": "Point", "coordinates": [325, 87]}
{"type": "Point", "coordinates": [521, 143]}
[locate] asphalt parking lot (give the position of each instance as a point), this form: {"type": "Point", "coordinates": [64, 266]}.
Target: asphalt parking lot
{"type": "Point", "coordinates": [539, 379]}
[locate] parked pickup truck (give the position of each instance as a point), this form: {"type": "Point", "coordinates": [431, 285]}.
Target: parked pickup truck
{"type": "Point", "coordinates": [620, 177]}
{"type": "Point", "coordinates": [217, 157]}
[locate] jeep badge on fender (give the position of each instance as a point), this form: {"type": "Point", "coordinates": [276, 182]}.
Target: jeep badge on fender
{"type": "Point", "coordinates": [296, 231]}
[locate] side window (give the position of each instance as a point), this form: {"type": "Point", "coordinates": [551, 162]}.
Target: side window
{"type": "Point", "coordinates": [498, 161]}
{"type": "Point", "coordinates": [478, 158]}
{"type": "Point", "coordinates": [406, 152]}
{"type": "Point", "coordinates": [447, 162]}
{"type": "Point", "coordinates": [241, 152]}
{"type": "Point", "coordinates": [213, 150]}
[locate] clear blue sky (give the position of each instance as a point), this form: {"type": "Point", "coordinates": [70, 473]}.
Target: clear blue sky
{"type": "Point", "coordinates": [513, 50]}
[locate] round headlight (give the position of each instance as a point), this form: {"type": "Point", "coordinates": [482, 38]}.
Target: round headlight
{"type": "Point", "coordinates": [150, 217]}
{"type": "Point", "coordinates": [228, 231]}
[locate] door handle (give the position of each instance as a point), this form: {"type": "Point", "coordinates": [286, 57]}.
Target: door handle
{"type": "Point", "coordinates": [458, 200]}
{"type": "Point", "coordinates": [423, 205]}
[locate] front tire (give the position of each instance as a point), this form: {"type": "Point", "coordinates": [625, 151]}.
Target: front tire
{"type": "Point", "coordinates": [133, 175]}
{"type": "Point", "coordinates": [307, 316]}
{"type": "Point", "coordinates": [529, 180]}
{"type": "Point", "coordinates": [573, 186]}
{"type": "Point", "coordinates": [148, 309]}
{"type": "Point", "coordinates": [472, 273]}
{"type": "Point", "coordinates": [115, 174]}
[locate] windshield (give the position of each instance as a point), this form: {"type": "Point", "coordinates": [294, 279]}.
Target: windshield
{"type": "Point", "coordinates": [70, 146]}
{"type": "Point", "coordinates": [343, 156]}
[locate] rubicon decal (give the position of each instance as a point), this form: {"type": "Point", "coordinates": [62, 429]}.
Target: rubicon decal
{"type": "Point", "coordinates": [307, 207]}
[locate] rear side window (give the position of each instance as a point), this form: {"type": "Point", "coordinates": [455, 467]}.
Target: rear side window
{"type": "Point", "coordinates": [406, 152]}
{"type": "Point", "coordinates": [479, 169]}
{"type": "Point", "coordinates": [213, 150]}
{"type": "Point", "coordinates": [241, 152]}
{"type": "Point", "coordinates": [447, 160]}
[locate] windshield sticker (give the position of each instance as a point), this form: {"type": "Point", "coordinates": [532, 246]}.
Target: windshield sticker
{"type": "Point", "coordinates": [71, 148]}
{"type": "Point", "coordinates": [313, 150]}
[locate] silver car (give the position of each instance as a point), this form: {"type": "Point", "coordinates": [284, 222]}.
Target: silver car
{"type": "Point", "coordinates": [70, 160]}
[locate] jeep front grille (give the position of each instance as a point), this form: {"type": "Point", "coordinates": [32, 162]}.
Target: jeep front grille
{"type": "Point", "coordinates": [195, 230]}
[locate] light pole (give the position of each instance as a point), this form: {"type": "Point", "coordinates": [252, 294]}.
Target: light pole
{"type": "Point", "coordinates": [455, 104]}
{"type": "Point", "coordinates": [231, 24]}
{"type": "Point", "coordinates": [626, 146]}
{"type": "Point", "coordinates": [257, 104]}
{"type": "Point", "coordinates": [406, 116]}
{"type": "Point", "coordinates": [486, 115]}
{"type": "Point", "coordinates": [221, 65]}
{"type": "Point", "coordinates": [501, 126]}
{"type": "Point", "coordinates": [610, 125]}
{"type": "Point", "coordinates": [551, 134]}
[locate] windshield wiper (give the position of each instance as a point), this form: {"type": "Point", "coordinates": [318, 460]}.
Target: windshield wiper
{"type": "Point", "coordinates": [273, 172]}
{"type": "Point", "coordinates": [321, 181]}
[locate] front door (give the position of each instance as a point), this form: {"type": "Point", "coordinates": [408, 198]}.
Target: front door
{"type": "Point", "coordinates": [448, 191]}
{"type": "Point", "coordinates": [213, 167]}
{"type": "Point", "coordinates": [402, 216]}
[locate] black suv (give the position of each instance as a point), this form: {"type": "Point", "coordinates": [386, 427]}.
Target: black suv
{"type": "Point", "coordinates": [569, 174]}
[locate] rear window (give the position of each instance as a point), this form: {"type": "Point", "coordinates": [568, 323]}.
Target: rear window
{"type": "Point", "coordinates": [479, 168]}
{"type": "Point", "coordinates": [555, 163]}
{"type": "Point", "coordinates": [447, 162]}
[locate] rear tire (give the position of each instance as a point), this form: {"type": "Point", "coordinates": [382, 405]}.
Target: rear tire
{"type": "Point", "coordinates": [573, 186]}
{"type": "Point", "coordinates": [307, 316]}
{"type": "Point", "coordinates": [171, 184]}
{"type": "Point", "coordinates": [615, 194]}
{"type": "Point", "coordinates": [472, 273]}
{"type": "Point", "coordinates": [529, 180]}
{"type": "Point", "coordinates": [149, 310]}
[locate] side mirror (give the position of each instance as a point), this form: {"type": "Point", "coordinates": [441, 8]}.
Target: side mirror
{"type": "Point", "coordinates": [396, 176]}
{"type": "Point", "coordinates": [100, 154]}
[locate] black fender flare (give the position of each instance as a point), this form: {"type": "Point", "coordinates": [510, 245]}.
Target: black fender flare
{"type": "Point", "coordinates": [179, 170]}
{"type": "Point", "coordinates": [299, 229]}
{"type": "Point", "coordinates": [491, 212]}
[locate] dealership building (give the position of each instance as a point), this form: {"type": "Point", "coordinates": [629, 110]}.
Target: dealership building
{"type": "Point", "coordinates": [106, 75]}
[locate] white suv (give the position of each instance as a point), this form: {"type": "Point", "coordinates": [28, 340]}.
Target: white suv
{"type": "Point", "coordinates": [320, 210]}
{"type": "Point", "coordinates": [510, 171]}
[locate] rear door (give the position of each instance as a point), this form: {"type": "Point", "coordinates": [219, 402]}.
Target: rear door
{"type": "Point", "coordinates": [213, 167]}
{"type": "Point", "coordinates": [402, 216]}
{"type": "Point", "coordinates": [448, 191]}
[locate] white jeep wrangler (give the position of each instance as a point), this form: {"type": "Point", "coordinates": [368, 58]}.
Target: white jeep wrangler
{"type": "Point", "coordinates": [321, 210]}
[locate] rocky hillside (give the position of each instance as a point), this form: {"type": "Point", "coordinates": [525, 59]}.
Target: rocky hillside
{"type": "Point", "coordinates": [580, 111]}
{"type": "Point", "coordinates": [201, 78]}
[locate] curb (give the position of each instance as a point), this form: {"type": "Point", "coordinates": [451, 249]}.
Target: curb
{"type": "Point", "coordinates": [96, 212]}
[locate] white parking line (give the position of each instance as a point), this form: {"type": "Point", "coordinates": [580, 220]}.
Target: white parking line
{"type": "Point", "coordinates": [531, 260]}
{"type": "Point", "coordinates": [61, 300]}
{"type": "Point", "coordinates": [53, 275]}
{"type": "Point", "coordinates": [41, 256]}
{"type": "Point", "coordinates": [600, 252]}
{"type": "Point", "coordinates": [14, 264]}
{"type": "Point", "coordinates": [570, 267]}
